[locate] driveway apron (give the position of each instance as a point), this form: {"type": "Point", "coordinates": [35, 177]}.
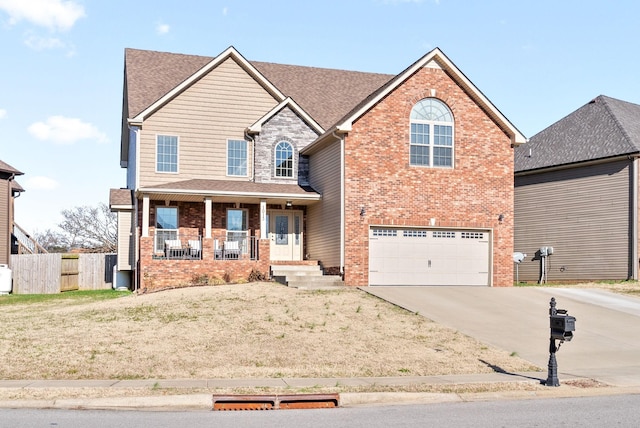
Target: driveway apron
{"type": "Point", "coordinates": [605, 346]}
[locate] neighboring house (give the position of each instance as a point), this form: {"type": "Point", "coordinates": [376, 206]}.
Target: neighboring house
{"type": "Point", "coordinates": [234, 166]}
{"type": "Point", "coordinates": [576, 190]}
{"type": "Point", "coordinates": [9, 190]}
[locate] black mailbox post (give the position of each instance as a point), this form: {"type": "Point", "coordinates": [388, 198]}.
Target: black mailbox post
{"type": "Point", "coordinates": [562, 328]}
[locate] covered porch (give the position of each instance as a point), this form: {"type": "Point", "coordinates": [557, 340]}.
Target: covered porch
{"type": "Point", "coordinates": [218, 229]}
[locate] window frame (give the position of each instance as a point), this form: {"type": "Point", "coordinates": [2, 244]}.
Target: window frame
{"type": "Point", "coordinates": [276, 167]}
{"type": "Point", "coordinates": [177, 154]}
{"type": "Point", "coordinates": [161, 233]}
{"type": "Point", "coordinates": [241, 235]}
{"type": "Point", "coordinates": [246, 158]}
{"type": "Point", "coordinates": [432, 145]}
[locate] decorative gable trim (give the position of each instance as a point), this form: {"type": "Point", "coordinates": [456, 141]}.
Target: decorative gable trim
{"type": "Point", "coordinates": [229, 53]}
{"type": "Point", "coordinates": [256, 128]}
{"type": "Point", "coordinates": [435, 58]}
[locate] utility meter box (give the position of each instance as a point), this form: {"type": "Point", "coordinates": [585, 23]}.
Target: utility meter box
{"type": "Point", "coordinates": [546, 251]}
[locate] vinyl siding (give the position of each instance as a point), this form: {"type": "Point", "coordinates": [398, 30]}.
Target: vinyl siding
{"type": "Point", "coordinates": [218, 107]}
{"type": "Point", "coordinates": [584, 214]}
{"type": "Point", "coordinates": [125, 240]}
{"type": "Point", "coordinates": [323, 219]}
{"type": "Point", "coordinates": [5, 216]}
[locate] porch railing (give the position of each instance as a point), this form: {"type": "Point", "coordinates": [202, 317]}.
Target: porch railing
{"type": "Point", "coordinates": [169, 245]}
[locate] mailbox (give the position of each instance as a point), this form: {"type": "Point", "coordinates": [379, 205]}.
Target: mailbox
{"type": "Point", "coordinates": [562, 327]}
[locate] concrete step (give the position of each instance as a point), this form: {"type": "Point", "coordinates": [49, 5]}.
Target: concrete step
{"type": "Point", "coordinates": [309, 273]}
{"type": "Point", "coordinates": [304, 277]}
{"type": "Point", "coordinates": [330, 283]}
{"type": "Point", "coordinates": [297, 268]}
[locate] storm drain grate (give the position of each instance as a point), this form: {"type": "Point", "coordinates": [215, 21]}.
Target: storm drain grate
{"type": "Point", "coordinates": [275, 401]}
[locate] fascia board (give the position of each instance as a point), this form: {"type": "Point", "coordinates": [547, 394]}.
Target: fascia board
{"type": "Point", "coordinates": [266, 195]}
{"type": "Point", "coordinates": [228, 53]}
{"type": "Point", "coordinates": [256, 128]}
{"type": "Point", "coordinates": [436, 54]}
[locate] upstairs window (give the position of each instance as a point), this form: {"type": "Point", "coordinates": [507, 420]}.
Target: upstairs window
{"type": "Point", "coordinates": [166, 153]}
{"type": "Point", "coordinates": [284, 159]}
{"type": "Point", "coordinates": [431, 134]}
{"type": "Point", "coordinates": [237, 158]}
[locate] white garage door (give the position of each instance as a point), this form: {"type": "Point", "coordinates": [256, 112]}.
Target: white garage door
{"type": "Point", "coordinates": [428, 257]}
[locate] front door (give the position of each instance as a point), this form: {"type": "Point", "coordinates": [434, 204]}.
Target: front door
{"type": "Point", "coordinates": [285, 233]}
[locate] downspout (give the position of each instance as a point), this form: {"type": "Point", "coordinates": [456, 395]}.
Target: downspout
{"type": "Point", "coordinates": [634, 218]}
{"type": "Point", "coordinates": [342, 202]}
{"type": "Point", "coordinates": [253, 154]}
{"type": "Point", "coordinates": [9, 218]}
{"type": "Point", "coordinates": [136, 183]}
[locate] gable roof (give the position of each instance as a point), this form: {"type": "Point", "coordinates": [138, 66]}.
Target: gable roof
{"type": "Point", "coordinates": [288, 102]}
{"type": "Point", "coordinates": [604, 127]}
{"type": "Point", "coordinates": [5, 167]}
{"type": "Point", "coordinates": [435, 58]}
{"type": "Point", "coordinates": [325, 94]}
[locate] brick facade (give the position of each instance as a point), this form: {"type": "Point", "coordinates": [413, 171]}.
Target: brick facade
{"type": "Point", "coordinates": [470, 195]}
{"type": "Point", "coordinates": [156, 274]}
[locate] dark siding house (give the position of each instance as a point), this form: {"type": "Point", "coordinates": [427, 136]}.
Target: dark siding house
{"type": "Point", "coordinates": [576, 190]}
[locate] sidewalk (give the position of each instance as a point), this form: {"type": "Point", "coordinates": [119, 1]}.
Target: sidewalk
{"type": "Point", "coordinates": [203, 401]}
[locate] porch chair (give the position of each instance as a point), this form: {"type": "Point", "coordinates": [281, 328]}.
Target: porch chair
{"type": "Point", "coordinates": [217, 251]}
{"type": "Point", "coordinates": [231, 250]}
{"type": "Point", "coordinates": [194, 248]}
{"type": "Point", "coordinates": [173, 248]}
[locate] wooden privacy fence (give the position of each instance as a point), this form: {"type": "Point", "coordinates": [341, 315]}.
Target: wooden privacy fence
{"type": "Point", "coordinates": [53, 273]}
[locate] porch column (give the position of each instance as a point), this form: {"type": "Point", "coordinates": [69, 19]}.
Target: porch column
{"type": "Point", "coordinates": [207, 217]}
{"type": "Point", "coordinates": [145, 216]}
{"type": "Point", "coordinates": [263, 219]}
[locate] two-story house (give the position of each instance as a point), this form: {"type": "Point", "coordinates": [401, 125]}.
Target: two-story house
{"type": "Point", "coordinates": [234, 166]}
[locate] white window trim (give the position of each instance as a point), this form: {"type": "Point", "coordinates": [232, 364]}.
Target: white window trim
{"type": "Point", "coordinates": [431, 145]}
{"type": "Point", "coordinates": [227, 157]}
{"type": "Point", "coordinates": [155, 159]}
{"type": "Point", "coordinates": [293, 161]}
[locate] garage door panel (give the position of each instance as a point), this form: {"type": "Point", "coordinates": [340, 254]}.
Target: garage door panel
{"type": "Point", "coordinates": [428, 257]}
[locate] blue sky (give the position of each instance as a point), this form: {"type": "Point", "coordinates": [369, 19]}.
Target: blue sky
{"type": "Point", "coordinates": [61, 67]}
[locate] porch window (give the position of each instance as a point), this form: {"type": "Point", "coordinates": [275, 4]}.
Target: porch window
{"type": "Point", "coordinates": [431, 134]}
{"type": "Point", "coordinates": [284, 159]}
{"type": "Point", "coordinates": [237, 157]}
{"type": "Point", "coordinates": [166, 153]}
{"type": "Point", "coordinates": [237, 227]}
{"type": "Point", "coordinates": [166, 226]}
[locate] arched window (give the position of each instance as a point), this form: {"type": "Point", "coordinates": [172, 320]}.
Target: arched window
{"type": "Point", "coordinates": [431, 134]}
{"type": "Point", "coordinates": [284, 159]}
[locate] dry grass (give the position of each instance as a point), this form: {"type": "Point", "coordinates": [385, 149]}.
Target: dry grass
{"type": "Point", "coordinates": [256, 330]}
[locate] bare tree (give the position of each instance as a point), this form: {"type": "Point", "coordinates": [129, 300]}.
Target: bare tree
{"type": "Point", "coordinates": [52, 241]}
{"type": "Point", "coordinates": [91, 228]}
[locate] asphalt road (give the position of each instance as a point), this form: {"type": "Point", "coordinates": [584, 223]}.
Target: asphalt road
{"type": "Point", "coordinates": [605, 346]}
{"type": "Point", "coordinates": [618, 410]}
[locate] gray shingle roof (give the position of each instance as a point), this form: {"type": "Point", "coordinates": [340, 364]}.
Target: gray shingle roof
{"type": "Point", "coordinates": [121, 197]}
{"type": "Point", "coordinates": [605, 127]}
{"type": "Point", "coordinates": [227, 186]}
{"type": "Point", "coordinates": [325, 94]}
{"type": "Point", "coordinates": [5, 167]}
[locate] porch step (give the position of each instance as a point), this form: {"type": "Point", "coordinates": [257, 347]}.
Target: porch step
{"type": "Point", "coordinates": [305, 277]}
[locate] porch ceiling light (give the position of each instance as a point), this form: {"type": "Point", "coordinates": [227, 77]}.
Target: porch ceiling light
{"type": "Point", "coordinates": [289, 204]}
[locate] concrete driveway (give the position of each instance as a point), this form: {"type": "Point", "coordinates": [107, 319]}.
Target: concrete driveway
{"type": "Point", "coordinates": [605, 346]}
